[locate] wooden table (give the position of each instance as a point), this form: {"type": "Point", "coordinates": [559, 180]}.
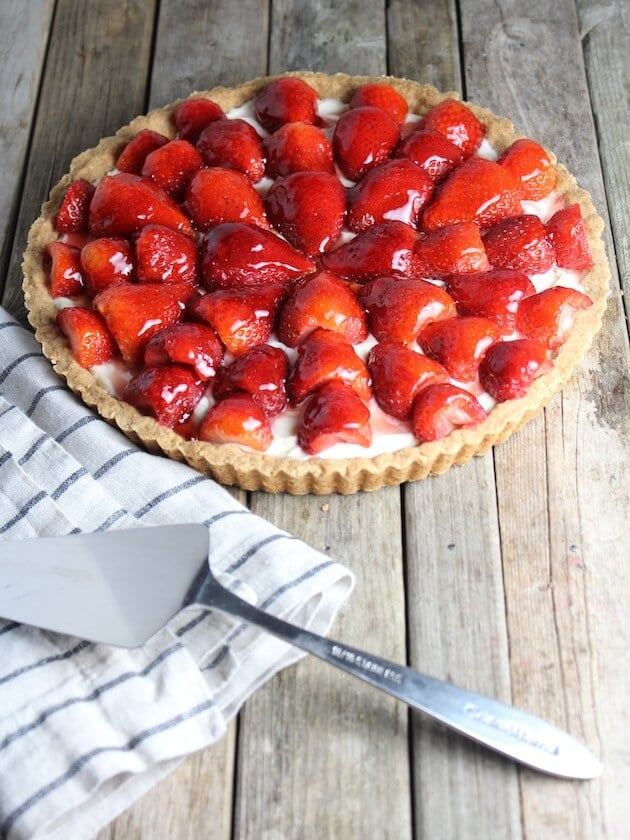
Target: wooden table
{"type": "Point", "coordinates": [508, 575]}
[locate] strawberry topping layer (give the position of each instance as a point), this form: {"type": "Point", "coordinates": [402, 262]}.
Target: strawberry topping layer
{"type": "Point", "coordinates": [309, 281]}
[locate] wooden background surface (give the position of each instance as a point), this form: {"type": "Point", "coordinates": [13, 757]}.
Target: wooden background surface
{"type": "Point", "coordinates": [508, 575]}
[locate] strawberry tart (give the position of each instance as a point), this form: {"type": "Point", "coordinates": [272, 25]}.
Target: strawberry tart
{"type": "Point", "coordinates": [316, 283]}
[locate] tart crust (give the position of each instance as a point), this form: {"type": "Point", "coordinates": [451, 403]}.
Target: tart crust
{"type": "Point", "coordinates": [229, 463]}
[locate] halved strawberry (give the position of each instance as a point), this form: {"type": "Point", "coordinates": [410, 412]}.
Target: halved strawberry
{"type": "Point", "coordinates": [453, 249]}
{"type": "Point", "coordinates": [123, 204]}
{"type": "Point", "coordinates": [432, 151]}
{"type": "Point", "coordinates": [567, 234]}
{"type": "Point", "coordinates": [460, 344]}
{"type": "Point", "coordinates": [334, 414]}
{"type": "Point", "coordinates": [399, 374]}
{"type": "Point", "coordinates": [234, 144]}
{"type": "Point", "coordinates": [234, 254]}
{"type": "Point", "coordinates": [133, 156]}
{"type": "Point", "coordinates": [509, 368]}
{"type": "Point", "coordinates": [166, 256]}
{"type": "Point", "coordinates": [520, 243]}
{"type": "Point", "coordinates": [441, 408]}
{"type": "Point", "coordinates": [399, 308]}
{"type": "Point", "coordinates": [105, 262]}
{"type": "Point", "coordinates": [286, 100]}
{"type": "Point", "coordinates": [223, 195]}
{"type": "Point", "coordinates": [75, 207]}
{"type": "Point", "coordinates": [363, 138]}
{"type": "Point", "coordinates": [549, 315]}
{"type": "Point", "coordinates": [168, 392]}
{"type": "Point", "coordinates": [395, 190]}
{"type": "Point", "coordinates": [196, 345]}
{"type": "Point", "coordinates": [457, 123]}
{"type": "Point", "coordinates": [492, 294]}
{"type": "Point", "coordinates": [322, 356]}
{"type": "Point", "coordinates": [385, 248]}
{"type": "Point", "coordinates": [477, 191]}
{"type": "Point", "coordinates": [382, 96]}
{"type": "Point", "coordinates": [192, 115]}
{"type": "Point", "coordinates": [135, 312]}
{"type": "Point", "coordinates": [242, 316]}
{"type": "Point", "coordinates": [171, 166]}
{"type": "Point", "coordinates": [298, 147]}
{"type": "Point", "coordinates": [531, 164]}
{"type": "Point", "coordinates": [308, 208]}
{"type": "Point", "coordinates": [321, 300]}
{"type": "Point", "coordinates": [90, 340]}
{"type": "Point", "coordinates": [66, 276]}
{"type": "Point", "coordinates": [260, 372]}
{"type": "Point", "coordinates": [237, 419]}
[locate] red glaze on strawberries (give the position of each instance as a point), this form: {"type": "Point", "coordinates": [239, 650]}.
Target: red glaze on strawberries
{"type": "Point", "coordinates": [396, 190]}
{"type": "Point", "coordinates": [298, 147]}
{"type": "Point", "coordinates": [549, 315]}
{"type": "Point", "coordinates": [509, 368]}
{"type": "Point", "coordinates": [66, 275]}
{"type": "Point", "coordinates": [193, 115]}
{"type": "Point", "coordinates": [567, 234]}
{"type": "Point", "coordinates": [132, 158]}
{"type": "Point", "coordinates": [457, 123]}
{"type": "Point", "coordinates": [165, 256]}
{"type": "Point", "coordinates": [321, 300]}
{"type": "Point", "coordinates": [533, 167]}
{"type": "Point", "coordinates": [75, 207]}
{"type": "Point", "coordinates": [196, 345]}
{"type": "Point", "coordinates": [260, 372]}
{"type": "Point", "coordinates": [460, 344]}
{"type": "Point", "coordinates": [382, 96]}
{"type": "Point", "coordinates": [452, 249]}
{"type": "Point", "coordinates": [90, 340]}
{"type": "Point", "coordinates": [322, 356]}
{"type": "Point", "coordinates": [492, 294]}
{"type": "Point", "coordinates": [386, 248]}
{"type": "Point", "coordinates": [432, 151]}
{"type": "Point", "coordinates": [237, 419]}
{"type": "Point", "coordinates": [334, 414]}
{"type": "Point", "coordinates": [105, 262]}
{"type": "Point", "coordinates": [520, 243]}
{"type": "Point", "coordinates": [171, 166]}
{"type": "Point", "coordinates": [168, 392]}
{"type": "Point", "coordinates": [399, 374]}
{"type": "Point", "coordinates": [234, 144]}
{"type": "Point", "coordinates": [220, 195]}
{"type": "Point", "coordinates": [308, 208]}
{"type": "Point", "coordinates": [286, 100]}
{"type": "Point", "coordinates": [363, 138]}
{"type": "Point", "coordinates": [441, 408]}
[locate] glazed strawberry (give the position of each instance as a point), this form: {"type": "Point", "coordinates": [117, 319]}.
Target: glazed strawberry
{"type": "Point", "coordinates": [123, 204]}
{"type": "Point", "coordinates": [385, 248]}
{"type": "Point", "coordinates": [399, 308]}
{"type": "Point", "coordinates": [105, 262]}
{"type": "Point", "coordinates": [308, 208]}
{"type": "Point", "coordinates": [441, 408]}
{"type": "Point", "coordinates": [133, 156]}
{"type": "Point", "coordinates": [171, 166]}
{"type": "Point", "coordinates": [567, 234]}
{"type": "Point", "coordinates": [298, 147]}
{"type": "Point", "coordinates": [234, 144]}
{"type": "Point", "coordinates": [260, 372]}
{"type": "Point", "coordinates": [135, 312]}
{"type": "Point", "coordinates": [196, 345]}
{"type": "Point", "coordinates": [491, 294]}
{"type": "Point", "coordinates": [90, 340]}
{"type": "Point", "coordinates": [235, 254]}
{"type": "Point", "coordinates": [167, 392]}
{"type": "Point", "coordinates": [509, 368]}
{"type": "Point", "coordinates": [382, 96]}
{"type": "Point", "coordinates": [477, 191]}
{"type": "Point", "coordinates": [223, 195]}
{"type": "Point", "coordinates": [321, 300]}
{"type": "Point", "coordinates": [286, 100]}
{"type": "Point", "coordinates": [334, 414]}
{"type": "Point", "coordinates": [395, 190]}
{"type": "Point", "coordinates": [75, 207]}
{"type": "Point", "coordinates": [237, 419]}
{"type": "Point", "coordinates": [457, 123]}
{"type": "Point", "coordinates": [452, 249]}
{"type": "Point", "coordinates": [322, 356]}
{"type": "Point", "coordinates": [432, 151]}
{"type": "Point", "coordinates": [363, 138]}
{"type": "Point", "coordinates": [459, 344]}
{"type": "Point", "coordinates": [193, 115]}
{"type": "Point", "coordinates": [532, 166]}
{"type": "Point", "coordinates": [399, 374]}
{"type": "Point", "coordinates": [520, 243]}
{"type": "Point", "coordinates": [66, 276]}
{"type": "Point", "coordinates": [165, 256]}
{"type": "Point", "coordinates": [242, 316]}
{"type": "Point", "coordinates": [549, 315]}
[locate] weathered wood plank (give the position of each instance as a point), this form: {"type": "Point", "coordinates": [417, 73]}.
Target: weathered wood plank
{"type": "Point", "coordinates": [558, 476]}
{"type": "Point", "coordinates": [456, 613]}
{"type": "Point", "coordinates": [94, 82]}
{"type": "Point", "coordinates": [23, 38]}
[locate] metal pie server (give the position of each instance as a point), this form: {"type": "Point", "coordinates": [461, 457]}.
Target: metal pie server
{"type": "Point", "coordinates": [121, 587]}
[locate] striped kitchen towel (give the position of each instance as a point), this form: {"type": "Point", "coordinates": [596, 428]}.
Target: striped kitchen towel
{"type": "Point", "coordinates": [86, 729]}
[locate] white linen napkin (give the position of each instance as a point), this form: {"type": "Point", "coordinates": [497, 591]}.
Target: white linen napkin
{"type": "Point", "coordinates": [86, 729]}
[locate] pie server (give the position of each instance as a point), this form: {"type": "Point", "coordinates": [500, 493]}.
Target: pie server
{"type": "Point", "coordinates": [121, 587]}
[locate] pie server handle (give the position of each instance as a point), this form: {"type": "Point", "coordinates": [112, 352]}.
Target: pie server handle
{"type": "Point", "coordinates": [518, 735]}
